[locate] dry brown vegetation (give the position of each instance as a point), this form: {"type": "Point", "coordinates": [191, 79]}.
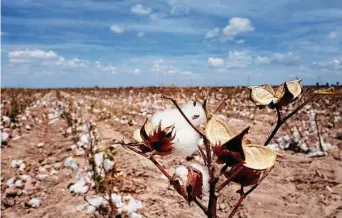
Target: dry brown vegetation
{"type": "Point", "coordinates": [306, 181]}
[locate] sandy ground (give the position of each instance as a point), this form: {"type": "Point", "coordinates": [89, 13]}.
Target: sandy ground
{"type": "Point", "coordinates": [299, 186]}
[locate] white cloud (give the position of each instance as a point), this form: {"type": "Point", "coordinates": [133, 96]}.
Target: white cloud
{"type": "Point", "coordinates": [43, 59]}
{"type": "Point", "coordinates": [241, 41]}
{"type": "Point", "coordinates": [158, 16]}
{"type": "Point", "coordinates": [286, 59]}
{"type": "Point", "coordinates": [279, 58]}
{"type": "Point", "coordinates": [238, 59]}
{"type": "Point", "coordinates": [32, 54]}
{"type": "Point", "coordinates": [334, 64]}
{"type": "Point", "coordinates": [161, 67]}
{"type": "Point", "coordinates": [332, 35]}
{"type": "Point", "coordinates": [212, 33]}
{"type": "Point", "coordinates": [141, 34]}
{"type": "Point", "coordinates": [117, 29]}
{"type": "Point", "coordinates": [140, 9]}
{"type": "Point", "coordinates": [215, 62]}
{"type": "Point", "coordinates": [262, 60]}
{"type": "Point", "coordinates": [178, 7]}
{"type": "Point", "coordinates": [136, 71]}
{"type": "Point", "coordinates": [236, 26]}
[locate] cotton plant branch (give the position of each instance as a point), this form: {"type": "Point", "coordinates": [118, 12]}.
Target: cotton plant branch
{"type": "Point", "coordinates": [281, 120]}
{"type": "Point", "coordinates": [212, 204]}
{"type": "Point", "coordinates": [243, 194]}
{"type": "Point", "coordinates": [228, 180]}
{"type": "Point", "coordinates": [131, 146]}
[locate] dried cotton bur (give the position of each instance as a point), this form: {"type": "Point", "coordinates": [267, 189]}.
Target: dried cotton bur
{"type": "Point", "coordinates": [227, 156]}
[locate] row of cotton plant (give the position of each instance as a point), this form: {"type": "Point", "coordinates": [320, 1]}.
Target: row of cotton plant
{"type": "Point", "coordinates": [306, 138]}
{"type": "Point", "coordinates": [94, 179]}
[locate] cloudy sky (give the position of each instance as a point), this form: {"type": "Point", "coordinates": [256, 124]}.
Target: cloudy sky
{"type": "Point", "coordinates": [49, 43]}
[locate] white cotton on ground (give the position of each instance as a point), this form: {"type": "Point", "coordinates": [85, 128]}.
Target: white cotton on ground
{"type": "Point", "coordinates": [85, 140]}
{"type": "Point", "coordinates": [126, 204]}
{"type": "Point", "coordinates": [16, 163]}
{"type": "Point", "coordinates": [79, 187]}
{"type": "Point", "coordinates": [71, 163]}
{"type": "Point", "coordinates": [95, 202]}
{"type": "Point", "coordinates": [4, 137]}
{"type": "Point", "coordinates": [34, 202]}
{"type": "Point", "coordinates": [205, 177]}
{"type": "Point", "coordinates": [6, 121]}
{"type": "Point", "coordinates": [10, 182]}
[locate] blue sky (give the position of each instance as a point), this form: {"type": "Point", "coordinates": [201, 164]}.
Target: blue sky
{"type": "Point", "coordinates": [77, 43]}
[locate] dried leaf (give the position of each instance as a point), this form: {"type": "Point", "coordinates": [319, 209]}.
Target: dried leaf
{"type": "Point", "coordinates": [295, 87]}
{"type": "Point", "coordinates": [258, 157]}
{"type": "Point", "coordinates": [136, 136]}
{"type": "Point", "coordinates": [232, 152]}
{"type": "Point", "coordinates": [217, 132]}
{"type": "Point", "coordinates": [262, 95]}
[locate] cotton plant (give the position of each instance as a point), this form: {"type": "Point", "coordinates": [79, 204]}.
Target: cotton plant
{"type": "Point", "coordinates": [227, 156]}
{"type": "Point", "coordinates": [97, 175]}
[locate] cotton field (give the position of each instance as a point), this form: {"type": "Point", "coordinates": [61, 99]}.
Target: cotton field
{"type": "Point", "coordinates": [61, 155]}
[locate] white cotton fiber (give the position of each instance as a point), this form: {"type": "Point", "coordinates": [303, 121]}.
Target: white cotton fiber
{"type": "Point", "coordinates": [181, 173]}
{"type": "Point", "coordinates": [79, 187]}
{"type": "Point", "coordinates": [205, 176]}
{"type": "Point", "coordinates": [196, 114]}
{"type": "Point", "coordinates": [186, 141]}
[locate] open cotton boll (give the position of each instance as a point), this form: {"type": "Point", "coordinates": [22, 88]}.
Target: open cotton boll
{"type": "Point", "coordinates": [135, 215]}
{"type": "Point", "coordinates": [4, 137]}
{"type": "Point", "coordinates": [71, 163]}
{"type": "Point", "coordinates": [34, 202]}
{"type": "Point", "coordinates": [10, 182]}
{"type": "Point", "coordinates": [108, 165]}
{"type": "Point", "coordinates": [85, 140]}
{"type": "Point", "coordinates": [205, 176]}
{"type": "Point", "coordinates": [195, 113]}
{"type": "Point", "coordinates": [131, 205]}
{"type": "Point", "coordinates": [168, 118]}
{"type": "Point", "coordinates": [186, 141]}
{"type": "Point", "coordinates": [79, 187]}
{"type": "Point", "coordinates": [16, 163]}
{"type": "Point", "coordinates": [98, 159]}
{"type": "Point", "coordinates": [95, 202]}
{"type": "Point", "coordinates": [182, 172]}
